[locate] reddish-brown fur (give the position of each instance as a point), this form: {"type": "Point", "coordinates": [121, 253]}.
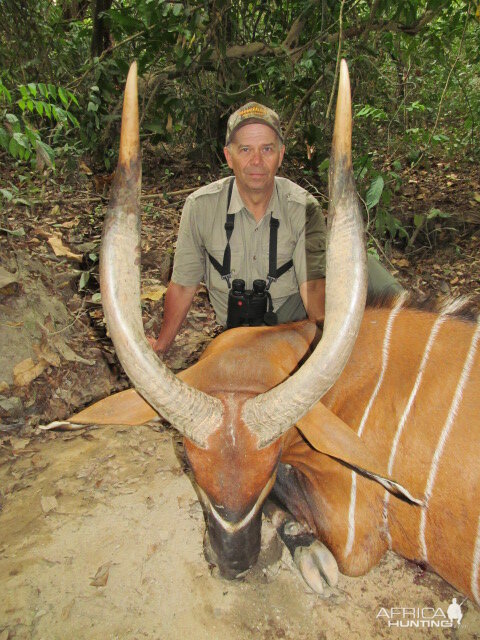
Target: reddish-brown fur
{"type": "Point", "coordinates": [232, 471]}
{"type": "Point", "coordinates": [453, 511]}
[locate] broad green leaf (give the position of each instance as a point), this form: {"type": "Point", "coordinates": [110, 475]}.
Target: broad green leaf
{"type": "Point", "coordinates": [73, 98]}
{"type": "Point", "coordinates": [4, 138]}
{"type": "Point", "coordinates": [14, 232]}
{"type": "Point", "coordinates": [5, 92]}
{"type": "Point", "coordinates": [33, 89]}
{"type": "Point", "coordinates": [73, 119]}
{"type": "Point", "coordinates": [436, 213]}
{"type": "Point", "coordinates": [63, 96]}
{"type": "Point", "coordinates": [22, 140]}
{"type": "Point", "coordinates": [13, 148]}
{"type": "Point", "coordinates": [8, 195]}
{"type": "Point", "coordinates": [374, 193]}
{"type": "Point", "coordinates": [48, 151]}
{"type": "Point", "coordinates": [324, 165]}
{"type": "Point", "coordinates": [418, 220]}
{"type": "Point", "coordinates": [156, 127]}
{"type": "Point", "coordinates": [12, 120]}
{"type": "Point", "coordinates": [84, 278]}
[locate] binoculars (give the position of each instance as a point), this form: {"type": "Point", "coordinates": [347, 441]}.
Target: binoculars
{"type": "Point", "coordinates": [247, 307]}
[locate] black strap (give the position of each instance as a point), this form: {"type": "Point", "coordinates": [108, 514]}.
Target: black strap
{"type": "Point", "coordinates": [273, 272]}
{"type": "Point", "coordinates": [224, 269]}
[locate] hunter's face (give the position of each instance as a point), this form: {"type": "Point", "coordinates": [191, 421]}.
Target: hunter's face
{"type": "Point", "coordinates": [255, 154]}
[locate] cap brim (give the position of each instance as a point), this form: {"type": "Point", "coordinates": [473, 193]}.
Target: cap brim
{"type": "Point", "coordinates": [252, 121]}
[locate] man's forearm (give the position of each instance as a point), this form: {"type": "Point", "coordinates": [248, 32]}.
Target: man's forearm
{"type": "Point", "coordinates": [178, 300]}
{"type": "Point", "coordinates": [313, 297]}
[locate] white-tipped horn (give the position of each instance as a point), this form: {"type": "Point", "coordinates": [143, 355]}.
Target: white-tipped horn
{"type": "Point", "coordinates": [274, 412]}
{"type": "Point", "coordinates": [193, 413]}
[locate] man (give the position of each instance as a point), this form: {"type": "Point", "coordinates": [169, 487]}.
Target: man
{"type": "Point", "coordinates": [253, 227]}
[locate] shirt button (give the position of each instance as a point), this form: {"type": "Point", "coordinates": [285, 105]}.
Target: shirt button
{"type": "Point", "coordinates": [254, 257]}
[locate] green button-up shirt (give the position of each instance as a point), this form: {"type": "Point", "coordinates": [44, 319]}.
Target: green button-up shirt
{"type": "Point", "coordinates": [301, 238]}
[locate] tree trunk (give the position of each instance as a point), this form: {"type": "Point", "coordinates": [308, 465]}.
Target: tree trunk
{"type": "Point", "coordinates": [101, 32]}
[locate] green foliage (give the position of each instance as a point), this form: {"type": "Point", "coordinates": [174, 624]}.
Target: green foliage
{"type": "Point", "coordinates": [379, 192]}
{"type": "Point", "coordinates": [31, 110]}
{"type": "Point", "coordinates": [199, 61]}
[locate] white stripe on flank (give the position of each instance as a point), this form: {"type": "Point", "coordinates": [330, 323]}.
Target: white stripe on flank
{"type": "Point", "coordinates": [444, 435]}
{"type": "Point", "coordinates": [385, 352]}
{"type": "Point", "coordinates": [426, 355]}
{"type": "Point", "coordinates": [476, 566]}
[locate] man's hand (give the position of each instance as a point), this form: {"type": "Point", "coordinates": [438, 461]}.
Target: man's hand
{"type": "Point", "coordinates": [159, 350]}
{"type": "Point", "coordinates": [178, 300]}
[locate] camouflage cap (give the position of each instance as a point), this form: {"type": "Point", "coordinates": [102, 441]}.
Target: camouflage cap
{"type": "Point", "coordinates": [249, 113]}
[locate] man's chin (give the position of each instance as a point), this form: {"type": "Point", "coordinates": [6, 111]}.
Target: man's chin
{"type": "Point", "coordinates": [259, 183]}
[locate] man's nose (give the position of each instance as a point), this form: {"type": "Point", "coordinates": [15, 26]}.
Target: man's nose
{"type": "Point", "coordinates": [257, 157]}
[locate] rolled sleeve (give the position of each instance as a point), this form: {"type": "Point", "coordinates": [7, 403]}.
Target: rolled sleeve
{"type": "Point", "coordinates": [309, 252]}
{"type": "Point", "coordinates": [189, 260]}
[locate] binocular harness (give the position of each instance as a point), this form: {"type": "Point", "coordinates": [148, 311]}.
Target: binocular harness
{"type": "Point", "coordinates": [249, 307]}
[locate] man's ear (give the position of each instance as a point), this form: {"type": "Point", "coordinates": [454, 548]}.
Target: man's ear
{"type": "Point", "coordinates": [282, 153]}
{"type": "Point", "coordinates": [228, 156]}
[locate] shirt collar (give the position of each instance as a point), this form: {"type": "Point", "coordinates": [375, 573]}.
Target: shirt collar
{"type": "Point", "coordinates": [237, 205]}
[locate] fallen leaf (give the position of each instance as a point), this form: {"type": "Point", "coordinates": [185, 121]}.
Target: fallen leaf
{"type": "Point", "coordinates": [7, 278]}
{"type": "Point", "coordinates": [476, 196]}
{"type": "Point", "coordinates": [60, 250]}
{"type": "Point", "coordinates": [4, 635]}
{"type": "Point", "coordinates": [49, 503]}
{"type": "Point", "coordinates": [44, 353]}
{"type": "Point", "coordinates": [403, 262]}
{"type": "Point", "coordinates": [154, 293]}
{"type": "Point", "coordinates": [101, 577]}
{"type": "Point", "coordinates": [27, 370]}
{"type": "Point", "coordinates": [69, 224]}
{"type": "Point", "coordinates": [84, 169]}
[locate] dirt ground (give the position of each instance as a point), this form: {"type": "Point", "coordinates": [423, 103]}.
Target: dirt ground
{"type": "Point", "coordinates": [102, 539]}
{"type": "Point", "coordinates": [101, 530]}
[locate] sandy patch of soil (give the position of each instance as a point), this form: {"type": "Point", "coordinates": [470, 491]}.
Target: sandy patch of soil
{"type": "Point", "coordinates": [102, 539]}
